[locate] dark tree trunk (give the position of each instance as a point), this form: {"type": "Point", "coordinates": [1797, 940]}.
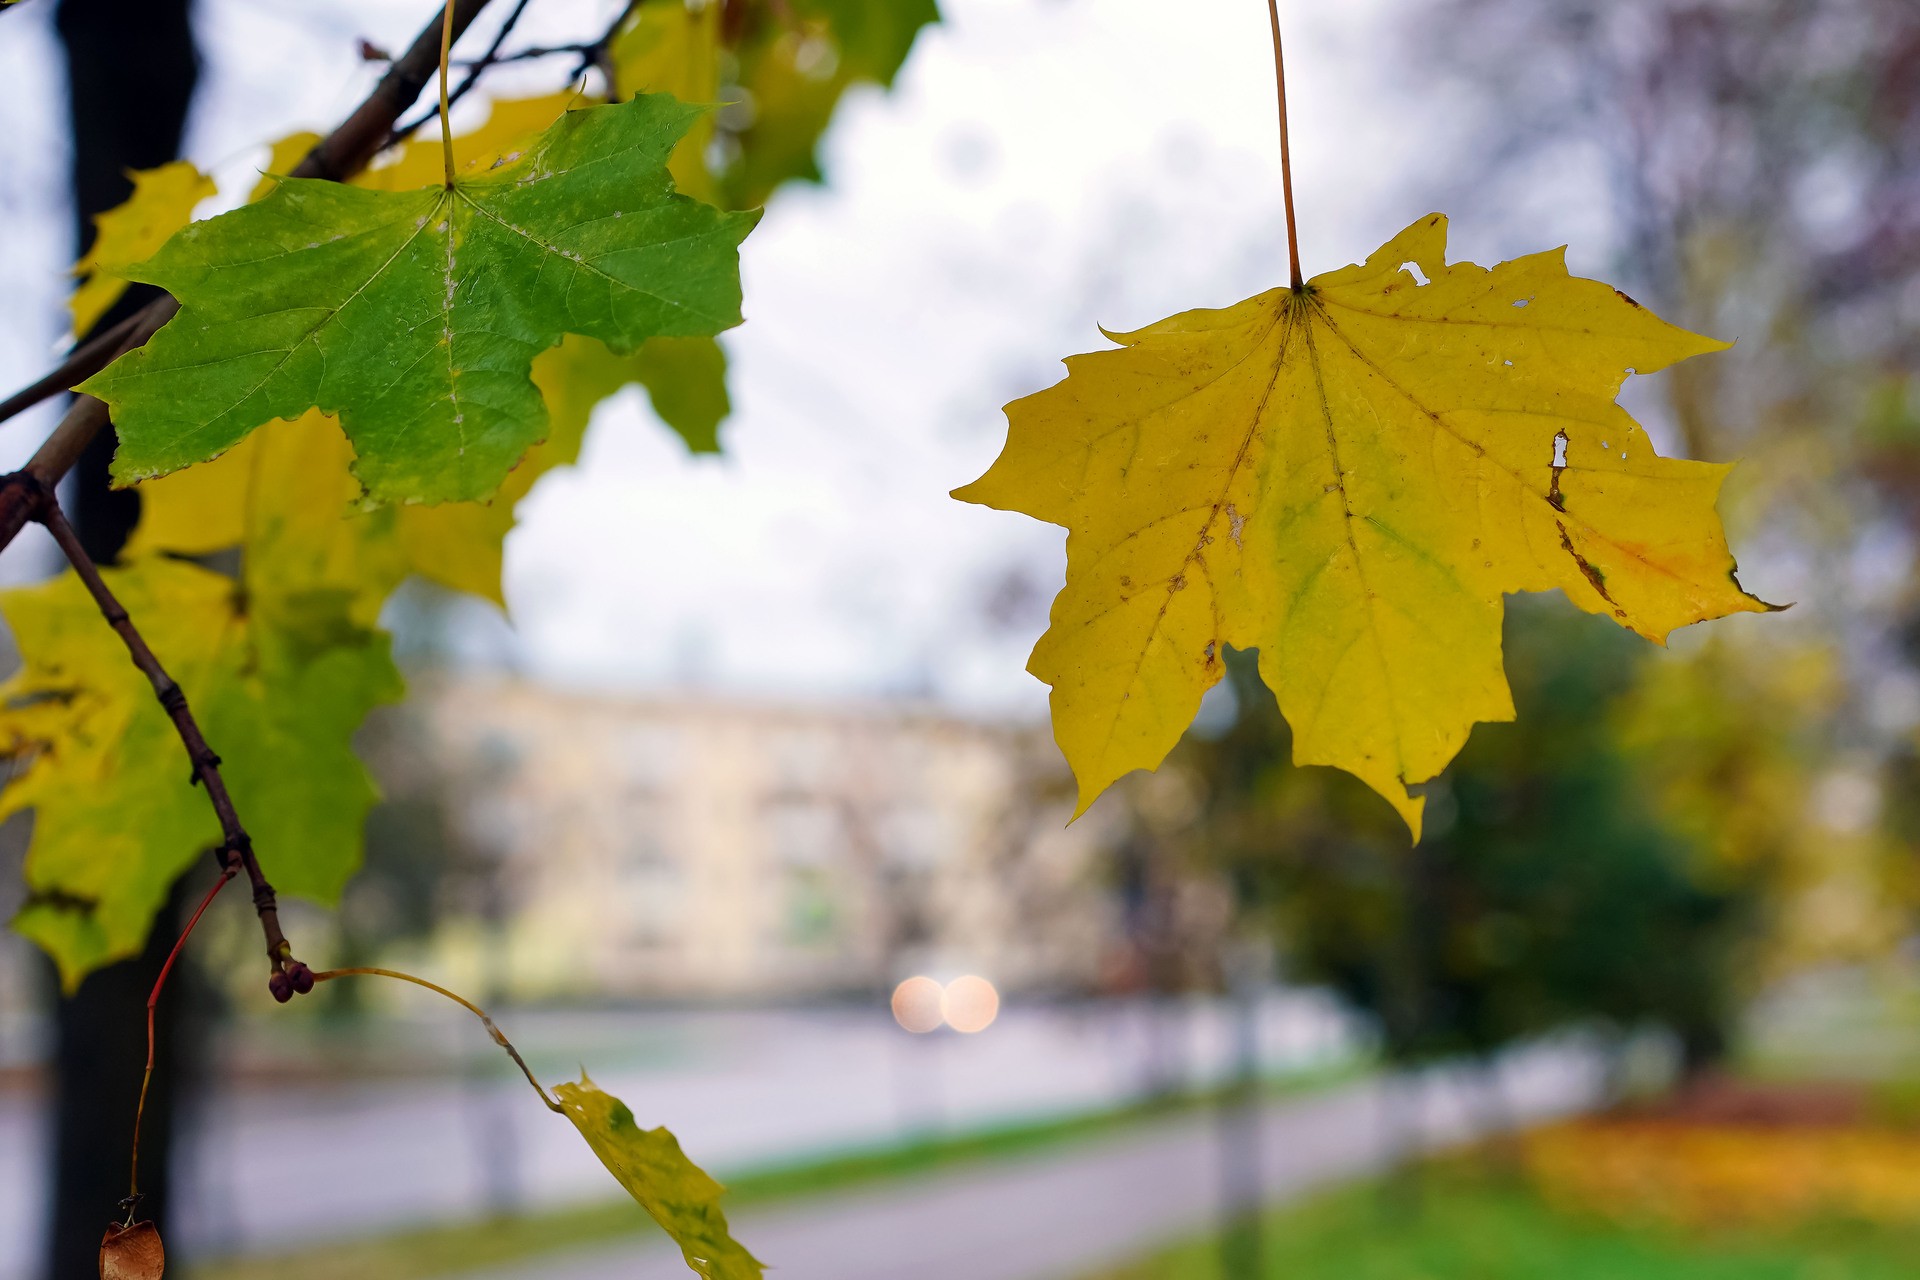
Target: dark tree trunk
{"type": "Point", "coordinates": [131, 69]}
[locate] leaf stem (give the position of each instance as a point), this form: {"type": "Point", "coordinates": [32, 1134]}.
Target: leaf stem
{"type": "Point", "coordinates": [499, 1038]}
{"type": "Point", "coordinates": [227, 872]}
{"type": "Point", "coordinates": [402, 131]}
{"type": "Point", "coordinates": [1286, 154]}
{"type": "Point", "coordinates": [446, 124]}
{"type": "Point", "coordinates": [236, 844]}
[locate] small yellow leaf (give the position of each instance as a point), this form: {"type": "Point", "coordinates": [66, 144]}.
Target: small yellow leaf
{"type": "Point", "coordinates": [1349, 477]}
{"type": "Point", "coordinates": [162, 202]}
{"type": "Point", "coordinates": [674, 48]}
{"type": "Point", "coordinates": [673, 1190]}
{"type": "Point", "coordinates": [132, 1253]}
{"type": "Point", "coordinates": [283, 157]}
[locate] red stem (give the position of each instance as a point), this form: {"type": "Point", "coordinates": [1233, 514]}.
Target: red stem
{"type": "Point", "coordinates": [159, 984]}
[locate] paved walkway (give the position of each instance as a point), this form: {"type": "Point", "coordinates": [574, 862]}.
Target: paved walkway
{"type": "Point", "coordinates": [1057, 1215]}
{"type": "Point", "coordinates": [743, 1090]}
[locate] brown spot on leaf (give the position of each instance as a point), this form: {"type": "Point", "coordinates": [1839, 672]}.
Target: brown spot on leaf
{"type": "Point", "coordinates": [61, 900]}
{"type": "Point", "coordinates": [1624, 298]}
{"type": "Point", "coordinates": [1593, 575]}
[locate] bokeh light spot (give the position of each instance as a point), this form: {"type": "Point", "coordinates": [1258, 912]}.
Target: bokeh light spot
{"type": "Point", "coordinates": [916, 1004]}
{"type": "Point", "coordinates": [970, 1004]}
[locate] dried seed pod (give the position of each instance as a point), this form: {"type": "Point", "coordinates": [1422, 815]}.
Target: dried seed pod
{"type": "Point", "coordinates": [132, 1253]}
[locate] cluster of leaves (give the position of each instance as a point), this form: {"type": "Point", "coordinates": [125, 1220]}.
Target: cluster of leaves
{"type": "Point", "coordinates": [363, 383]}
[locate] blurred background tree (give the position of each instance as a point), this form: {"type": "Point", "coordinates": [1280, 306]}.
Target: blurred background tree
{"type": "Point", "coordinates": [1547, 891]}
{"type": "Point", "coordinates": [1661, 834]}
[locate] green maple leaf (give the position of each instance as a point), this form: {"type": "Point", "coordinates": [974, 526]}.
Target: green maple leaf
{"type": "Point", "coordinates": [415, 316]}
{"type": "Point", "coordinates": [674, 1191]}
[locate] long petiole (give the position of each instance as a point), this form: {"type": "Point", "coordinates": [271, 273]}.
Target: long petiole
{"type": "Point", "coordinates": [446, 124]}
{"type": "Point", "coordinates": [1286, 154]}
{"type": "Point", "coordinates": [499, 1038]}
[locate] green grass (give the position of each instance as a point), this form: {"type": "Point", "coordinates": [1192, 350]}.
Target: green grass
{"type": "Point", "coordinates": [427, 1252]}
{"type": "Point", "coordinates": [1463, 1225]}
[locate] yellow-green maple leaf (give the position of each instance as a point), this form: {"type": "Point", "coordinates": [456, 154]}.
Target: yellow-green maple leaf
{"type": "Point", "coordinates": [1349, 477]}
{"type": "Point", "coordinates": [162, 202]}
{"type": "Point", "coordinates": [674, 1191]}
{"type": "Point", "coordinates": [279, 681]}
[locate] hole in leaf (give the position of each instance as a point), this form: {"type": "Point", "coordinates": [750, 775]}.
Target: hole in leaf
{"type": "Point", "coordinates": [1521, 302]}
{"type": "Point", "coordinates": [1559, 448]}
{"type": "Point", "coordinates": [1413, 269]}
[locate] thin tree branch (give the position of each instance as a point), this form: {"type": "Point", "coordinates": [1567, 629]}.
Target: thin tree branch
{"type": "Point", "coordinates": [369, 130]}
{"type": "Point", "coordinates": [235, 843]}
{"type": "Point", "coordinates": [401, 132]}
{"type": "Point", "coordinates": [85, 360]}
{"type": "Point", "coordinates": [337, 157]}
{"type": "Point", "coordinates": [584, 49]}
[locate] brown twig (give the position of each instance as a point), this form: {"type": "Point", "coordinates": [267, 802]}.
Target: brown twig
{"type": "Point", "coordinates": [85, 360]}
{"type": "Point", "coordinates": [236, 844]}
{"type": "Point", "coordinates": [328, 975]}
{"type": "Point", "coordinates": [1286, 154]}
{"type": "Point", "coordinates": [337, 157]}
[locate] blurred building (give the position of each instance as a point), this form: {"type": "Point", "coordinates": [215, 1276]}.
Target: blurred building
{"type": "Point", "coordinates": [690, 847]}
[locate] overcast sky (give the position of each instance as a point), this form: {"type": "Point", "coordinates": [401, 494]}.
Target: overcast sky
{"type": "Point", "coordinates": [1042, 166]}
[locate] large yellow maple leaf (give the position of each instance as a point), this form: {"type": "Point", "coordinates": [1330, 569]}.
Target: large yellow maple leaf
{"type": "Point", "coordinates": [1349, 477]}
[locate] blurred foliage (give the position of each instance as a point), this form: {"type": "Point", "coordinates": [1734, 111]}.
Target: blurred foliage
{"type": "Point", "coordinates": [792, 63]}
{"type": "Point", "coordinates": [1761, 160]}
{"type": "Point", "coordinates": [1698, 1176]}
{"type": "Point", "coordinates": [1547, 890]}
{"type": "Point", "coordinates": [1759, 163]}
{"type": "Point", "coordinates": [1736, 745]}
